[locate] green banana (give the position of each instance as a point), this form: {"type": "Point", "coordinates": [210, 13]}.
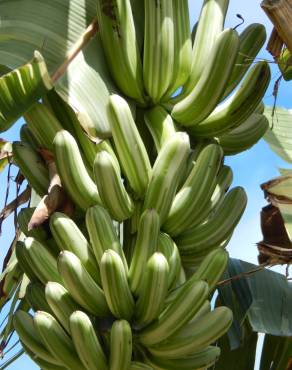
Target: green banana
{"type": "Point", "coordinates": [102, 233]}
{"type": "Point", "coordinates": [145, 246]}
{"type": "Point", "coordinates": [23, 324]}
{"type": "Point", "coordinates": [195, 193]}
{"type": "Point", "coordinates": [154, 289]}
{"type": "Point", "coordinates": [24, 261]}
{"type": "Point", "coordinates": [120, 345]}
{"type": "Point", "coordinates": [35, 295]}
{"type": "Point", "coordinates": [57, 341]}
{"type": "Point", "coordinates": [223, 182]}
{"type": "Point", "coordinates": [239, 106]}
{"type": "Point", "coordinates": [27, 137]}
{"type": "Point", "coordinates": [243, 137]}
{"type": "Point", "coordinates": [80, 284]}
{"type": "Point", "coordinates": [86, 342]}
{"type": "Point", "coordinates": [31, 166]}
{"type": "Point", "coordinates": [135, 365]}
{"type": "Point", "coordinates": [119, 40]}
{"type": "Point", "coordinates": [182, 46]}
{"type": "Point", "coordinates": [204, 237]}
{"type": "Point", "coordinates": [160, 125]}
{"type": "Point", "coordinates": [69, 237]}
{"type": "Point", "coordinates": [44, 365]}
{"type": "Point", "coordinates": [201, 360]}
{"type": "Point", "coordinates": [61, 303]}
{"type": "Point", "coordinates": [23, 218]}
{"type": "Point", "coordinates": [111, 188]}
{"type": "Point", "coordinates": [212, 267]}
{"type": "Point", "coordinates": [168, 248]}
{"type": "Point", "coordinates": [41, 261]}
{"type": "Point", "coordinates": [166, 174]}
{"type": "Point", "coordinates": [159, 50]}
{"type": "Point", "coordinates": [204, 97]}
{"type": "Point", "coordinates": [251, 40]}
{"type": "Point", "coordinates": [72, 171]}
{"type": "Point", "coordinates": [43, 125]}
{"type": "Point", "coordinates": [176, 314]}
{"type": "Point", "coordinates": [196, 336]}
{"type": "Point", "coordinates": [210, 24]}
{"type": "Point", "coordinates": [130, 148]}
{"type": "Point", "coordinates": [115, 285]}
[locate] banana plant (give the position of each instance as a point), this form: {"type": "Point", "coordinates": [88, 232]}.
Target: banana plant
{"type": "Point", "coordinates": [122, 243]}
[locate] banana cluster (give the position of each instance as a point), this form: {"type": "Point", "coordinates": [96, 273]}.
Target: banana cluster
{"type": "Point", "coordinates": [123, 281]}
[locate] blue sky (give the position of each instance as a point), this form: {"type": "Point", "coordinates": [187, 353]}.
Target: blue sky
{"type": "Point", "coordinates": [250, 168]}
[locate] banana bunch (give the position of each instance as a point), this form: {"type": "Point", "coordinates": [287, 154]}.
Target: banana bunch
{"type": "Point", "coordinates": [122, 279]}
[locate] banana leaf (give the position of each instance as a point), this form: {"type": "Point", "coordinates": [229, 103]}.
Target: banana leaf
{"type": "Point", "coordinates": [20, 88]}
{"type": "Point", "coordinates": [54, 27]}
{"type": "Point", "coordinates": [276, 353]}
{"type": "Point", "coordinates": [279, 136]}
{"type": "Point", "coordinates": [271, 292]}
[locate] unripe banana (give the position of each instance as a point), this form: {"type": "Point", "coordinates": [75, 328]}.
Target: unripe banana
{"type": "Point", "coordinates": [131, 150]}
{"type": "Point", "coordinates": [24, 261]}
{"type": "Point", "coordinates": [111, 188]}
{"type": "Point", "coordinates": [160, 124]}
{"type": "Point", "coordinates": [251, 40]}
{"type": "Point", "coordinates": [145, 246]}
{"type": "Point", "coordinates": [223, 182]}
{"type": "Point", "coordinates": [115, 285]}
{"type": "Point", "coordinates": [60, 303]}
{"type": "Point", "coordinates": [120, 346]}
{"type": "Point", "coordinates": [23, 218]}
{"type": "Point", "coordinates": [204, 237]}
{"type": "Point", "coordinates": [35, 295]}
{"type": "Point", "coordinates": [196, 336]}
{"type": "Point", "coordinates": [80, 285]}
{"type": "Point", "coordinates": [169, 249]}
{"type": "Point", "coordinates": [69, 237]}
{"type": "Point", "coordinates": [239, 106]}
{"type": "Point", "coordinates": [212, 267]}
{"type": "Point", "coordinates": [201, 360]}
{"type": "Point", "coordinates": [43, 124]}
{"type": "Point", "coordinates": [154, 289]}
{"type": "Point", "coordinates": [44, 365]}
{"type": "Point", "coordinates": [205, 96]}
{"type": "Point", "coordinates": [182, 46]}
{"type": "Point", "coordinates": [27, 137]}
{"type": "Point", "coordinates": [118, 36]}
{"type": "Point", "coordinates": [102, 233]}
{"type": "Point", "coordinates": [166, 174]}
{"type": "Point", "coordinates": [57, 341]}
{"type": "Point", "coordinates": [196, 191]}
{"type": "Point", "coordinates": [139, 366]}
{"type": "Point", "coordinates": [158, 53]}
{"type": "Point", "coordinates": [176, 314]}
{"type": "Point", "coordinates": [41, 261]}
{"type": "Point", "coordinates": [72, 171]}
{"type": "Point", "coordinates": [23, 324]}
{"type": "Point", "coordinates": [31, 166]}
{"type": "Point", "coordinates": [86, 342]}
{"type": "Point", "coordinates": [210, 24]}
{"type": "Point", "coordinates": [243, 137]}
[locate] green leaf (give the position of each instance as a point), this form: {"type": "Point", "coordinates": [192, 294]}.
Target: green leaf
{"type": "Point", "coordinates": [285, 171]}
{"type": "Point", "coordinates": [270, 311]}
{"type": "Point", "coordinates": [276, 353]}
{"type": "Point", "coordinates": [20, 88]}
{"type": "Point", "coordinates": [242, 358]}
{"type": "Point", "coordinates": [5, 153]}
{"type": "Point", "coordinates": [54, 27]}
{"type": "Point", "coordinates": [279, 136]}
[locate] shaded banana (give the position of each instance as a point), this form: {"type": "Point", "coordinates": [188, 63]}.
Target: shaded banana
{"type": "Point", "coordinates": [120, 345]}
